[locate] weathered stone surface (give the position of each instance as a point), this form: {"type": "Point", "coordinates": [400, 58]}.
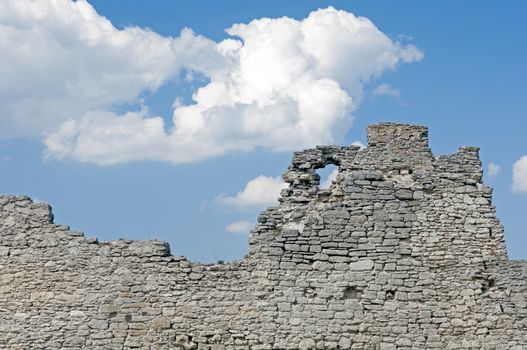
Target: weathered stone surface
{"type": "Point", "coordinates": [403, 251]}
{"type": "Point", "coordinates": [361, 265]}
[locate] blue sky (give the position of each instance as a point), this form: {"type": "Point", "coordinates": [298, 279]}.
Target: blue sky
{"type": "Point", "coordinates": [459, 69]}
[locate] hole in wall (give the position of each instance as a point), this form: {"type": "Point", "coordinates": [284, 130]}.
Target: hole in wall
{"type": "Point", "coordinates": [428, 189]}
{"type": "Point", "coordinates": [351, 293]}
{"type": "Point", "coordinates": [309, 293]}
{"type": "Point", "coordinates": [491, 282]}
{"type": "Point", "coordinates": [328, 174]}
{"type": "Point", "coordinates": [390, 295]}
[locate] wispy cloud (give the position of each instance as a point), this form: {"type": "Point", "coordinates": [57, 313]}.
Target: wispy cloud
{"type": "Point", "coordinates": [242, 226]}
{"type": "Point", "coordinates": [493, 170]}
{"type": "Point", "coordinates": [519, 175]}
{"type": "Point", "coordinates": [386, 90]}
{"type": "Point", "coordinates": [277, 83]}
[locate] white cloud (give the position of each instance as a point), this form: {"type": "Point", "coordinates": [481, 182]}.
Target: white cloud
{"type": "Point", "coordinates": [242, 226]}
{"type": "Point", "coordinates": [386, 90]}
{"type": "Point", "coordinates": [329, 180]}
{"type": "Point", "coordinates": [519, 175]}
{"type": "Point", "coordinates": [59, 59]}
{"type": "Point", "coordinates": [260, 192]}
{"type": "Point", "coordinates": [493, 169]}
{"type": "Point", "coordinates": [277, 83]}
{"type": "Point", "coordinates": [358, 143]}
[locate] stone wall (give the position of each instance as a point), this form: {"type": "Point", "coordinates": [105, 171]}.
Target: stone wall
{"type": "Point", "coordinates": [403, 251]}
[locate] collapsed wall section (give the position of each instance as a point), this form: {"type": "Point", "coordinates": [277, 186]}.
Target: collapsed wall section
{"type": "Point", "coordinates": [60, 290]}
{"type": "Point", "coordinates": [403, 251]}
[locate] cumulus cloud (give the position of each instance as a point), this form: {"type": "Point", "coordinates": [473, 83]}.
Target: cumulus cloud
{"type": "Point", "coordinates": [278, 83]}
{"type": "Point", "coordinates": [260, 192]}
{"type": "Point", "coordinates": [242, 226]}
{"type": "Point", "coordinates": [106, 138]}
{"type": "Point", "coordinates": [386, 90]}
{"type": "Point", "coordinates": [59, 59]}
{"type": "Point", "coordinates": [493, 169]}
{"type": "Point", "coordinates": [519, 175]}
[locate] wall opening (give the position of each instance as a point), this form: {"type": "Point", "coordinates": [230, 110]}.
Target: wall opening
{"type": "Point", "coordinates": [328, 174]}
{"type": "Point", "coordinates": [351, 292]}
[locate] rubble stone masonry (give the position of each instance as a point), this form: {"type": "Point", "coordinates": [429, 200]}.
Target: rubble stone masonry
{"type": "Point", "coordinates": [403, 251]}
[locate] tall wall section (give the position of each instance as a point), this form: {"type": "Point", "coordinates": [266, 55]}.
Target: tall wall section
{"type": "Point", "coordinates": [403, 251]}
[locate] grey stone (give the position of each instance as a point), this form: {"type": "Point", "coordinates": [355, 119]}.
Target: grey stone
{"type": "Point", "coordinates": [403, 252]}
{"type": "Point", "coordinates": [362, 265]}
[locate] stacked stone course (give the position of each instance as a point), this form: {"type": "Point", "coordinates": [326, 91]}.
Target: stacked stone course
{"type": "Point", "coordinates": [403, 251]}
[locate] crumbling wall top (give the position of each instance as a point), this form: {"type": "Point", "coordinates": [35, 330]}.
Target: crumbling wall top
{"type": "Point", "coordinates": [402, 251]}
{"type": "Point", "coordinates": [395, 135]}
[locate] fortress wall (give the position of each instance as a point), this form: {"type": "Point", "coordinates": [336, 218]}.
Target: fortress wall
{"type": "Point", "coordinates": [61, 290]}
{"type": "Point", "coordinates": [403, 251]}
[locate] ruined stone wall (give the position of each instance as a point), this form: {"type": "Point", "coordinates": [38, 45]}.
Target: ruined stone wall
{"type": "Point", "coordinates": [403, 251]}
